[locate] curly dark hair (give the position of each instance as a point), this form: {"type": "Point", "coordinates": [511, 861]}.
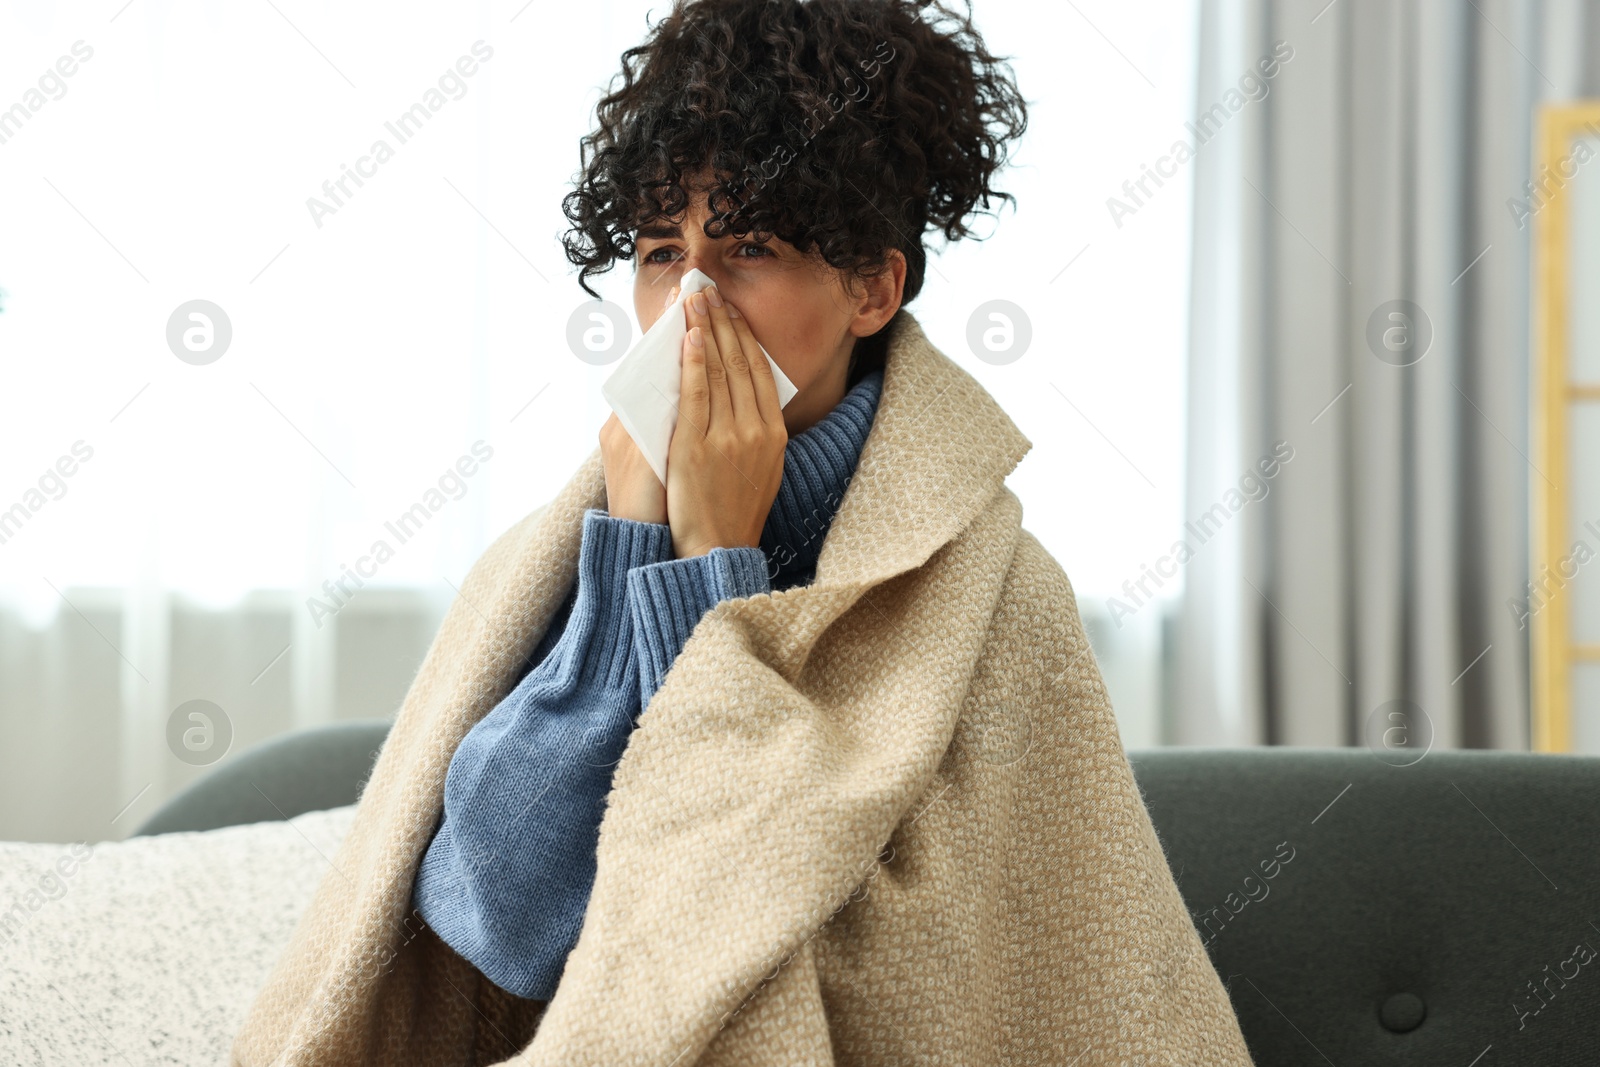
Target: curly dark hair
{"type": "Point", "coordinates": [845, 127]}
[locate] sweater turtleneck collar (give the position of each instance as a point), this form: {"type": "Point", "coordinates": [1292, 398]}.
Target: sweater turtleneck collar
{"type": "Point", "coordinates": [817, 466]}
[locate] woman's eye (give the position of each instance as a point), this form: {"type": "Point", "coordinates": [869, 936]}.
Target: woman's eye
{"type": "Point", "coordinates": [661, 256]}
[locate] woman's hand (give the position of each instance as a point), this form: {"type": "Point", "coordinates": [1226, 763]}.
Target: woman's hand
{"type": "Point", "coordinates": [632, 489]}
{"type": "Point", "coordinates": [725, 462]}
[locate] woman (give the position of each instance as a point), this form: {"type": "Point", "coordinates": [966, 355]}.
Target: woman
{"type": "Point", "coordinates": [801, 757]}
{"type": "Point", "coordinates": [506, 879]}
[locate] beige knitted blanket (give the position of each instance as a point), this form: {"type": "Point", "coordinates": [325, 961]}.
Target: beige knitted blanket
{"type": "Point", "coordinates": [881, 819]}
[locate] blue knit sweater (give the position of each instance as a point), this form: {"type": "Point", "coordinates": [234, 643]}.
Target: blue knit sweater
{"type": "Point", "coordinates": [506, 878]}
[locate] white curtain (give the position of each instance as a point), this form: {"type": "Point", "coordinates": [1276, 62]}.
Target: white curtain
{"type": "Point", "coordinates": [385, 330]}
{"type": "Point", "coordinates": [1381, 166]}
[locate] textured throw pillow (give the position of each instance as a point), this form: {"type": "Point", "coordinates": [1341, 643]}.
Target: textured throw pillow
{"type": "Point", "coordinates": [150, 950]}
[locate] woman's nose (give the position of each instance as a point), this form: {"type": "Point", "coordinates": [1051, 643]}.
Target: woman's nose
{"type": "Point", "coordinates": [699, 259]}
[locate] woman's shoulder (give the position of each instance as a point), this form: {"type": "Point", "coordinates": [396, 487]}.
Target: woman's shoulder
{"type": "Point", "coordinates": [1037, 587]}
{"type": "Point", "coordinates": [495, 563]}
{"type": "Point", "coordinates": [1038, 642]}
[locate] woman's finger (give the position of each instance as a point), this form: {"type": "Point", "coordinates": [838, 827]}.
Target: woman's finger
{"type": "Point", "coordinates": [718, 406]}
{"type": "Point", "coordinates": [736, 359]}
{"type": "Point", "coordinates": [694, 398]}
{"type": "Point", "coordinates": [766, 386]}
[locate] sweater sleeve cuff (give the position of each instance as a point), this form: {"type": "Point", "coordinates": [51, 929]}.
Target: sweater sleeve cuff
{"type": "Point", "coordinates": [667, 600]}
{"type": "Point", "coordinates": [627, 542]}
{"type": "Point", "coordinates": [611, 546]}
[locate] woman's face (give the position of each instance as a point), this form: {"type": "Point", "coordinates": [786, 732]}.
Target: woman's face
{"type": "Point", "coordinates": [798, 308]}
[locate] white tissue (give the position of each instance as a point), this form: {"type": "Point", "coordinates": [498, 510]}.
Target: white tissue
{"type": "Point", "coordinates": [644, 388]}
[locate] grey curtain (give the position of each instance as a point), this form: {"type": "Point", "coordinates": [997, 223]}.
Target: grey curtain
{"type": "Point", "coordinates": [1378, 176]}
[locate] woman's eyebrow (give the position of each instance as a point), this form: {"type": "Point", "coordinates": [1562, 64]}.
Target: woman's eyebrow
{"type": "Point", "coordinates": [659, 230]}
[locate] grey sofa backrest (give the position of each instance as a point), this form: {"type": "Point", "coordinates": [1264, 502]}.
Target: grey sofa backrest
{"type": "Point", "coordinates": [310, 770]}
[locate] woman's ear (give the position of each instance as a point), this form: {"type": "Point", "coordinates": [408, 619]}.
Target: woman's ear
{"type": "Point", "coordinates": [882, 297]}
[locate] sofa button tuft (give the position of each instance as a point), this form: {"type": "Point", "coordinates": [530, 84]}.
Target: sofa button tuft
{"type": "Point", "coordinates": [1402, 1012]}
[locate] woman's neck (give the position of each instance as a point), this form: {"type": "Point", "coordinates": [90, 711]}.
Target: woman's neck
{"type": "Point", "coordinates": [811, 404]}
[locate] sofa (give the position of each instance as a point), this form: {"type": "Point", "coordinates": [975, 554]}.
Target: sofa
{"type": "Point", "coordinates": [1359, 908]}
